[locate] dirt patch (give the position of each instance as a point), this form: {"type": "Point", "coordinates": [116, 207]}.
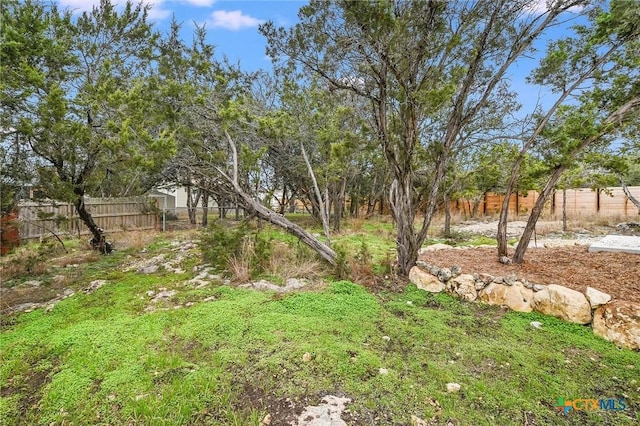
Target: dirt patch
{"type": "Point", "coordinates": [28, 387]}
{"type": "Point", "coordinates": [617, 274]}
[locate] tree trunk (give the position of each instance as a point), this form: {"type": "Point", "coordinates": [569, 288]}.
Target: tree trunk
{"type": "Point", "coordinates": [322, 207]}
{"type": "Point", "coordinates": [190, 210]}
{"type": "Point", "coordinates": [292, 203]}
{"type": "Point", "coordinates": [536, 211]}
{"type": "Point", "coordinates": [283, 202]}
{"type": "Point", "coordinates": [338, 205]}
{"type": "Point", "coordinates": [630, 196]}
{"type": "Point", "coordinates": [617, 116]}
{"type": "Point", "coordinates": [205, 209]}
{"type": "Point", "coordinates": [192, 204]}
{"type": "Point", "coordinates": [402, 209]}
{"type": "Point", "coordinates": [371, 203]}
{"type": "Point", "coordinates": [476, 207]}
{"type": "Point", "coordinates": [98, 241]}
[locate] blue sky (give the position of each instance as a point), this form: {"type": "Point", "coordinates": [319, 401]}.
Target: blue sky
{"type": "Point", "coordinates": [232, 26]}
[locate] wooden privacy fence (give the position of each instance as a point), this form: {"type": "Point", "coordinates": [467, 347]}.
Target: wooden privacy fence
{"type": "Point", "coordinates": [39, 219]}
{"type": "Point", "coordinates": [579, 202]}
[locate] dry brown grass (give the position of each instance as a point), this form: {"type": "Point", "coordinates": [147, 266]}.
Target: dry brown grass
{"type": "Point", "coordinates": [286, 263]}
{"type": "Point", "coordinates": [356, 224]}
{"type": "Point", "coordinates": [136, 239]}
{"type": "Point", "coordinates": [545, 227]}
{"type": "Point", "coordinates": [240, 269]}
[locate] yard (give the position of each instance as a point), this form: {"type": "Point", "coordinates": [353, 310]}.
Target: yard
{"type": "Point", "coordinates": [151, 335]}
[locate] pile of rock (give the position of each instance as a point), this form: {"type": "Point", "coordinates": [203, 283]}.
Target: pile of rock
{"type": "Point", "coordinates": [617, 321]}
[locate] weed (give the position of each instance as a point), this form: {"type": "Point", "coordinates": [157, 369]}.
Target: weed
{"type": "Point", "coordinates": [341, 270]}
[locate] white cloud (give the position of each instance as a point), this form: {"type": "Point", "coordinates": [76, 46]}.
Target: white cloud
{"type": "Point", "coordinates": [202, 3]}
{"type": "Point", "coordinates": [232, 20]}
{"type": "Point", "coordinates": [541, 6]}
{"type": "Point", "coordinates": [156, 13]}
{"type": "Point", "coordinates": [78, 6]}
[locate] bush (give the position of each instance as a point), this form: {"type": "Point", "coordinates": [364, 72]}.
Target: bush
{"type": "Point", "coordinates": [241, 250]}
{"type": "Point", "coordinates": [220, 243]}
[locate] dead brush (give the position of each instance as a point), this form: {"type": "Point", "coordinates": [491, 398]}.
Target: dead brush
{"type": "Point", "coordinates": [136, 239]}
{"type": "Point", "coordinates": [286, 262]}
{"type": "Point", "coordinates": [356, 224]}
{"type": "Point", "coordinates": [77, 258]}
{"type": "Point", "coordinates": [240, 264]}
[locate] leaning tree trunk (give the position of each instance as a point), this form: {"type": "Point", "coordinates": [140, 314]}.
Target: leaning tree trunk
{"type": "Point", "coordinates": [98, 240]}
{"type": "Point", "coordinates": [536, 211]}
{"type": "Point", "coordinates": [629, 195]}
{"type": "Point", "coordinates": [616, 117]}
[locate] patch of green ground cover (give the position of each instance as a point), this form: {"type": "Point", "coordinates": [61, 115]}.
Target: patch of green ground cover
{"type": "Point", "coordinates": [354, 243]}
{"type": "Point", "coordinates": [100, 359]}
{"type": "Point", "coordinates": [463, 239]}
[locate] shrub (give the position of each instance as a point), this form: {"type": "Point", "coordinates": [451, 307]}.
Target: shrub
{"type": "Point", "coordinates": [241, 250]}
{"type": "Point", "coordinates": [221, 243]}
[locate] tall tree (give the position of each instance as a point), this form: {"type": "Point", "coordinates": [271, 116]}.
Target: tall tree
{"type": "Point", "coordinates": [605, 54]}
{"type": "Point", "coordinates": [428, 70]}
{"type": "Point", "coordinates": [87, 104]}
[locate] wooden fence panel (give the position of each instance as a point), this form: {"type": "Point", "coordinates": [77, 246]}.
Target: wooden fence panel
{"type": "Point", "coordinates": [38, 219]}
{"type": "Point", "coordinates": [580, 202]}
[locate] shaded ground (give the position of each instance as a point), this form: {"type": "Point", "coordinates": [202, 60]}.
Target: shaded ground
{"type": "Point", "coordinates": [615, 273]}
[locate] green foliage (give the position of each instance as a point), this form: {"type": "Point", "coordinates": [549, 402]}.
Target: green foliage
{"type": "Point", "coordinates": [342, 269]}
{"type": "Point", "coordinates": [193, 365]}
{"type": "Point", "coordinates": [363, 255]}
{"type": "Point", "coordinates": [221, 242]}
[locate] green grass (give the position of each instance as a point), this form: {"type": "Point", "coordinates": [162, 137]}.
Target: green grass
{"type": "Point", "coordinates": [103, 358]}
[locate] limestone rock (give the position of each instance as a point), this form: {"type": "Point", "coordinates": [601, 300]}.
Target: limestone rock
{"type": "Point", "coordinates": [266, 421]}
{"type": "Point", "coordinates": [516, 297]}
{"type": "Point", "coordinates": [444, 275]}
{"type": "Point", "coordinates": [327, 413]}
{"type": "Point", "coordinates": [456, 270]}
{"type": "Point", "coordinates": [564, 303]}
{"type": "Point", "coordinates": [480, 284]}
{"type": "Point", "coordinates": [434, 247]}
{"type": "Point", "coordinates": [486, 278]}
{"type": "Point", "coordinates": [425, 281]}
{"type": "Point", "coordinates": [93, 286]}
{"type": "Point", "coordinates": [453, 387]}
{"type": "Point", "coordinates": [596, 297]}
{"type": "Point", "coordinates": [465, 286]}
{"type": "Point", "coordinates": [509, 279]}
{"type": "Point", "coordinates": [149, 269]}
{"type": "Point", "coordinates": [619, 322]}
{"type": "Point", "coordinates": [417, 421]}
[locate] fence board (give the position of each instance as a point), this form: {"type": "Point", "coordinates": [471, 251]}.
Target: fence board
{"type": "Point", "coordinates": [37, 219]}
{"type": "Point", "coordinates": [580, 202]}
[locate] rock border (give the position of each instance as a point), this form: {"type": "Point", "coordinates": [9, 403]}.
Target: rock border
{"type": "Point", "coordinates": [617, 321]}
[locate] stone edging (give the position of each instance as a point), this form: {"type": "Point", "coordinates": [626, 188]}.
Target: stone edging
{"type": "Point", "coordinates": [615, 320]}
